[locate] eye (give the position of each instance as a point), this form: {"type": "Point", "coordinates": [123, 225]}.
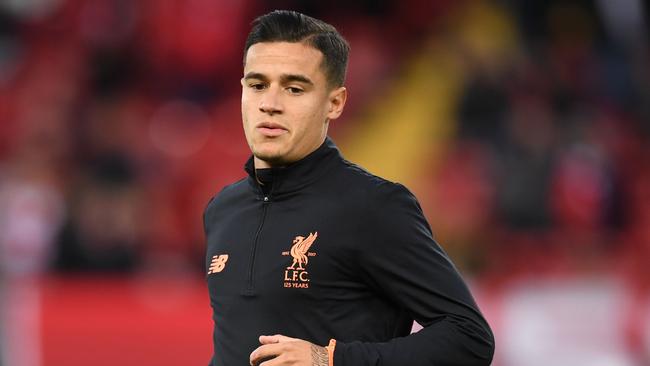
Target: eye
{"type": "Point", "coordinates": [294, 90]}
{"type": "Point", "coordinates": [257, 86]}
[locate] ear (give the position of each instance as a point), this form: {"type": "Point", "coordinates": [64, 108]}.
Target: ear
{"type": "Point", "coordinates": [337, 98]}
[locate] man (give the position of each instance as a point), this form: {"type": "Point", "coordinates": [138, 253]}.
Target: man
{"type": "Point", "coordinates": [310, 250]}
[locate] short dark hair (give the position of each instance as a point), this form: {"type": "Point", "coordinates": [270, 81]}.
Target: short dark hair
{"type": "Point", "coordinates": [291, 26]}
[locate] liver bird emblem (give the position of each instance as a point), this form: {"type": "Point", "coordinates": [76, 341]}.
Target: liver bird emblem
{"type": "Point", "coordinates": [299, 250]}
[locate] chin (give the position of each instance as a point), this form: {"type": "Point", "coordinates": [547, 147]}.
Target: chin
{"type": "Point", "coordinates": [271, 156]}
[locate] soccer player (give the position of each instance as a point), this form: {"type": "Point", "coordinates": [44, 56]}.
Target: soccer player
{"type": "Point", "coordinates": [311, 260]}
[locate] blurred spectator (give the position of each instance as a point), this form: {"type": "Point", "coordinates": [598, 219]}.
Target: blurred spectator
{"type": "Point", "coordinates": [462, 203]}
{"type": "Point", "coordinates": [32, 212]}
{"type": "Point", "coordinates": [526, 163]}
{"type": "Point", "coordinates": [102, 232]}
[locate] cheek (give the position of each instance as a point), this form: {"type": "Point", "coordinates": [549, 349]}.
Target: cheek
{"type": "Point", "coordinates": [249, 100]}
{"type": "Point", "coordinates": [312, 114]}
{"type": "Point", "coordinates": [246, 112]}
{"type": "Point", "coordinates": [248, 129]}
{"type": "Point", "coordinates": [245, 104]}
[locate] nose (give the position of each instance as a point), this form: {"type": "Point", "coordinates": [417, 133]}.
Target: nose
{"type": "Point", "coordinates": [270, 102]}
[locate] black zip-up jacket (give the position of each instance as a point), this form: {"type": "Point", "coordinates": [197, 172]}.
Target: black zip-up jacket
{"type": "Point", "coordinates": [324, 250]}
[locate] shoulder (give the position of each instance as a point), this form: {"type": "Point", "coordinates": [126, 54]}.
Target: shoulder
{"type": "Point", "coordinates": [374, 187]}
{"type": "Point", "coordinates": [388, 210]}
{"type": "Point", "coordinates": [383, 203]}
{"type": "Point", "coordinates": [228, 194]}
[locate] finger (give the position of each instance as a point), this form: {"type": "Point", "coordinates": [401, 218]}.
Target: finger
{"type": "Point", "coordinates": [277, 338]}
{"type": "Point", "coordinates": [270, 361]}
{"type": "Point", "coordinates": [264, 352]}
{"type": "Point", "coordinates": [266, 339]}
{"type": "Point", "coordinates": [277, 361]}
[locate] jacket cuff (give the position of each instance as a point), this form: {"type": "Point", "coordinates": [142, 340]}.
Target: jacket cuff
{"type": "Point", "coordinates": [330, 351]}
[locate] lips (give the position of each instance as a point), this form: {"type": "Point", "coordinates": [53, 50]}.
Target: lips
{"type": "Point", "coordinates": [271, 129]}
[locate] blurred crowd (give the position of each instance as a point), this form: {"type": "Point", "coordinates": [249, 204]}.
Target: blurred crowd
{"type": "Point", "coordinates": [120, 119]}
{"type": "Point", "coordinates": [549, 172]}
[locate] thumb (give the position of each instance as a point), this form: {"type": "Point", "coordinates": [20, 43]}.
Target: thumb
{"type": "Point", "coordinates": [277, 338]}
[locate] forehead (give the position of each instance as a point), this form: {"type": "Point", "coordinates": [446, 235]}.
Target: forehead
{"type": "Point", "coordinates": [284, 57]}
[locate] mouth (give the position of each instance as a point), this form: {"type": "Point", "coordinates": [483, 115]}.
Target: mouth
{"type": "Point", "coordinates": [270, 129]}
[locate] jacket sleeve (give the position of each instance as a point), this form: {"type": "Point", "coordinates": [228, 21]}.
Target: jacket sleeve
{"type": "Point", "coordinates": [404, 263]}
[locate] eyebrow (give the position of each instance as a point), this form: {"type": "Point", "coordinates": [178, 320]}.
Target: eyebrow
{"type": "Point", "coordinates": [284, 78]}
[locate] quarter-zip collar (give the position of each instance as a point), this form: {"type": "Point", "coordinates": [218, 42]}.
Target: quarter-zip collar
{"type": "Point", "coordinates": [295, 175]}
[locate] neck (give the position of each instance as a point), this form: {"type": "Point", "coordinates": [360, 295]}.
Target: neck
{"type": "Point", "coordinates": [261, 164]}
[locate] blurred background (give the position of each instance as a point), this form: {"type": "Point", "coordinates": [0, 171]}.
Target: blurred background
{"type": "Point", "coordinates": [522, 126]}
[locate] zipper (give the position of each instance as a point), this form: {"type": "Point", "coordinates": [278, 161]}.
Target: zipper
{"type": "Point", "coordinates": [248, 291]}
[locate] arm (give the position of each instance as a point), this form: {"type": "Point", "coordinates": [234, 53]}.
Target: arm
{"type": "Point", "coordinates": [403, 262]}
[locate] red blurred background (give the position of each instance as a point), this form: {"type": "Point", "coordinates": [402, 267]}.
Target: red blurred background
{"type": "Point", "coordinates": [522, 127]}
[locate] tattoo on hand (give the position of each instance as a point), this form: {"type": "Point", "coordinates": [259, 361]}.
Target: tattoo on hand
{"type": "Point", "coordinates": [319, 356]}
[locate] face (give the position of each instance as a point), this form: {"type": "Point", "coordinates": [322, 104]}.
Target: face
{"type": "Point", "coordinates": [286, 102]}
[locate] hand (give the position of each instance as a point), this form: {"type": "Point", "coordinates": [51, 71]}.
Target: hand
{"type": "Point", "coordinates": [279, 350]}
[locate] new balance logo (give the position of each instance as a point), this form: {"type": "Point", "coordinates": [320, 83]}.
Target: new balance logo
{"type": "Point", "coordinates": [218, 263]}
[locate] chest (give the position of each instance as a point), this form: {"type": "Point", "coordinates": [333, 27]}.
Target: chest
{"type": "Point", "coordinates": [282, 250]}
